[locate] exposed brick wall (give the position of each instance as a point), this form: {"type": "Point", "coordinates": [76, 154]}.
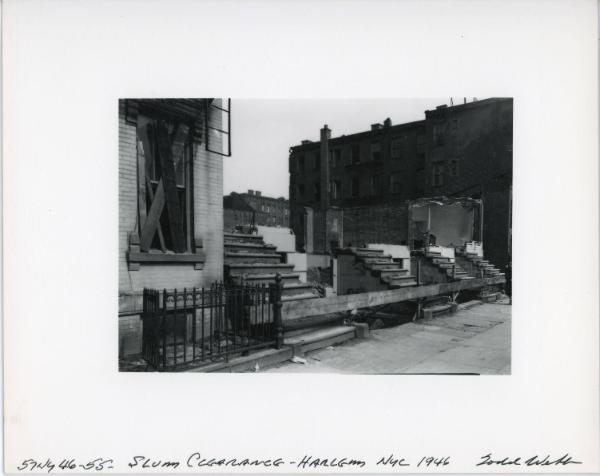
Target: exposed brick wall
{"type": "Point", "coordinates": [208, 226]}
{"type": "Point", "coordinates": [376, 224]}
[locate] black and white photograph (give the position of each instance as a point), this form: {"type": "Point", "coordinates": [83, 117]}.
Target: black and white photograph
{"type": "Point", "coordinates": [307, 236]}
{"type": "Point", "coordinates": [255, 237]}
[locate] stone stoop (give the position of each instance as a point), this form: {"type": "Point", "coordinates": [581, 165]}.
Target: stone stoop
{"type": "Point", "coordinates": [249, 259]}
{"type": "Point", "coordinates": [383, 267]}
{"type": "Point", "coordinates": [447, 266]}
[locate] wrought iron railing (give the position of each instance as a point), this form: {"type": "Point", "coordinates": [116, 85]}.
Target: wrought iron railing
{"type": "Point", "coordinates": [198, 326]}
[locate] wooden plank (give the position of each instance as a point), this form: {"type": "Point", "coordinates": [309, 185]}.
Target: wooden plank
{"type": "Point", "coordinates": [161, 238]}
{"type": "Point", "coordinates": [316, 307]}
{"type": "Point", "coordinates": [153, 218]}
{"type": "Point", "coordinates": [141, 168]}
{"type": "Point", "coordinates": [170, 187]}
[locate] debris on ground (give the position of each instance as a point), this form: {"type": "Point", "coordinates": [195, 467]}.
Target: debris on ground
{"type": "Point", "coordinates": [377, 324]}
{"type": "Point", "coordinates": [330, 347]}
{"type": "Point", "coordinates": [298, 360]}
{"type": "Point", "coordinates": [256, 367]}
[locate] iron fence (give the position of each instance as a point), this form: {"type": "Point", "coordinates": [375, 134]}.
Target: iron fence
{"type": "Point", "coordinates": [204, 325]}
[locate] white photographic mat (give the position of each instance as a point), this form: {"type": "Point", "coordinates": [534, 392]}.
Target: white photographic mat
{"type": "Point", "coordinates": [67, 406]}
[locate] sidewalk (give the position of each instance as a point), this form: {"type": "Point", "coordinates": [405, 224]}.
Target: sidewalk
{"type": "Point", "coordinates": [472, 341]}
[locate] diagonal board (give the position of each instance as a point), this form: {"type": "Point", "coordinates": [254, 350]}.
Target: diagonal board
{"type": "Point", "coordinates": [170, 187]}
{"type": "Point", "coordinates": [152, 219]}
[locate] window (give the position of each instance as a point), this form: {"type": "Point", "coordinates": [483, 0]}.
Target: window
{"type": "Point", "coordinates": [438, 174]}
{"type": "Point", "coordinates": [355, 154]}
{"type": "Point", "coordinates": [317, 161]}
{"type": "Point", "coordinates": [355, 189]}
{"type": "Point", "coordinates": [376, 150]}
{"type": "Point", "coordinates": [375, 185]}
{"type": "Point", "coordinates": [336, 189]}
{"type": "Point", "coordinates": [301, 190]}
{"type": "Point", "coordinates": [301, 164]}
{"type": "Point", "coordinates": [438, 134]}
{"type": "Point", "coordinates": [336, 157]}
{"type": "Point", "coordinates": [165, 212]}
{"type": "Point", "coordinates": [397, 146]}
{"type": "Point", "coordinates": [317, 187]}
{"type": "Point", "coordinates": [420, 142]}
{"type": "Point", "coordinates": [454, 168]}
{"type": "Point", "coordinates": [420, 161]}
{"type": "Point", "coordinates": [395, 183]}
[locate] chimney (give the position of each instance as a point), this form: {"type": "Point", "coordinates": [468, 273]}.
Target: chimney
{"type": "Point", "coordinates": [325, 136]}
{"type": "Point", "coordinates": [250, 192]}
{"type": "Point", "coordinates": [257, 193]}
{"type": "Point", "coordinates": [387, 122]}
{"type": "Point", "coordinates": [376, 127]}
{"type": "Point", "coordinates": [306, 141]}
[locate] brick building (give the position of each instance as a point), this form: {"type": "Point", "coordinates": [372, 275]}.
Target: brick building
{"type": "Point", "coordinates": [170, 211]}
{"type": "Point", "coordinates": [462, 150]}
{"type": "Point", "coordinates": [253, 207]}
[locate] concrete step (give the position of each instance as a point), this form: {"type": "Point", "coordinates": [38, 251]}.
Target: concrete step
{"type": "Point", "coordinates": [384, 265]}
{"type": "Point", "coordinates": [293, 289]}
{"type": "Point", "coordinates": [402, 273]}
{"type": "Point", "coordinates": [442, 260]}
{"type": "Point", "coordinates": [266, 278]}
{"type": "Point", "coordinates": [403, 283]}
{"type": "Point", "coordinates": [244, 257]}
{"type": "Point", "coordinates": [298, 297]}
{"type": "Point", "coordinates": [257, 268]}
{"type": "Point", "coordinates": [242, 238]}
{"type": "Point", "coordinates": [433, 254]}
{"type": "Point", "coordinates": [384, 272]}
{"type": "Point", "coordinates": [249, 247]}
{"type": "Point", "coordinates": [376, 259]}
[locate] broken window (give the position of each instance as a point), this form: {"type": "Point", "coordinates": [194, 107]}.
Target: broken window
{"type": "Point", "coordinates": [438, 174]}
{"type": "Point", "coordinates": [164, 190]}
{"type": "Point", "coordinates": [376, 150]}
{"type": "Point", "coordinates": [301, 164]}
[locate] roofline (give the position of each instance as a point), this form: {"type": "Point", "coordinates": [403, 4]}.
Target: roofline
{"type": "Point", "coordinates": [350, 137]}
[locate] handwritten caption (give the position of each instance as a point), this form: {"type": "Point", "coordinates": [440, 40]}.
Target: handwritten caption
{"type": "Point", "coordinates": [199, 461]}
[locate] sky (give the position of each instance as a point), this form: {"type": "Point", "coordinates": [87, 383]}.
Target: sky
{"type": "Point", "coordinates": [262, 131]}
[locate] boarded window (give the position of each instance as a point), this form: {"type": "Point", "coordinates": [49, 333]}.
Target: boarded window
{"type": "Point", "coordinates": [317, 187]}
{"type": "Point", "coordinates": [397, 147]}
{"type": "Point", "coordinates": [317, 161]}
{"type": "Point", "coordinates": [164, 185]}
{"type": "Point", "coordinates": [376, 185]}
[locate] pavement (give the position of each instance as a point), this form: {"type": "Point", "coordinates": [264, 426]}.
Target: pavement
{"type": "Point", "coordinates": [476, 340]}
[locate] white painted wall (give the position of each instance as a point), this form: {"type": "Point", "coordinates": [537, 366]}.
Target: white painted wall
{"type": "Point", "coordinates": [281, 237]}
{"type": "Point", "coordinates": [300, 262]}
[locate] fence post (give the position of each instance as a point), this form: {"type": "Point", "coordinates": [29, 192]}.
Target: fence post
{"type": "Point", "coordinates": [453, 271]}
{"type": "Point", "coordinates": [418, 271]}
{"type": "Point", "coordinates": [277, 318]}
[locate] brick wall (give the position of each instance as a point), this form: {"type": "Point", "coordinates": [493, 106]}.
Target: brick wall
{"type": "Point", "coordinates": [208, 226]}
{"type": "Point", "coordinates": [376, 224]}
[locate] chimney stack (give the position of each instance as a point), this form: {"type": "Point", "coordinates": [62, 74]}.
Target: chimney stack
{"type": "Point", "coordinates": [387, 122]}
{"type": "Point", "coordinates": [250, 192]}
{"type": "Point", "coordinates": [325, 136]}
{"type": "Point", "coordinates": [257, 193]}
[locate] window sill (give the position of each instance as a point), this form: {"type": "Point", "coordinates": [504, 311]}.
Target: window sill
{"type": "Point", "coordinates": [135, 258]}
